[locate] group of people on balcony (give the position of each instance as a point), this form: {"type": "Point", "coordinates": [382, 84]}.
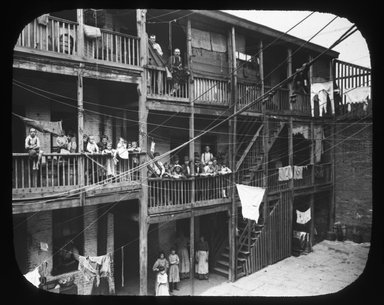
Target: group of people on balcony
{"type": "Point", "coordinates": [177, 74]}
{"type": "Point", "coordinates": [206, 165]}
{"type": "Point", "coordinates": [177, 267]}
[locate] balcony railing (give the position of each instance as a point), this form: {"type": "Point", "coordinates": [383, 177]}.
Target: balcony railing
{"type": "Point", "coordinates": [59, 172]}
{"type": "Point", "coordinates": [57, 35]}
{"type": "Point", "coordinates": [211, 91]}
{"type": "Point", "coordinates": [159, 86]}
{"type": "Point", "coordinates": [248, 93]}
{"type": "Point", "coordinates": [114, 47]}
{"type": "Point", "coordinates": [279, 101]}
{"type": "Point", "coordinates": [168, 193]}
{"type": "Point", "coordinates": [61, 36]}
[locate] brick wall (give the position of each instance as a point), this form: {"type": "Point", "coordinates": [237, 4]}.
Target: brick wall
{"type": "Point", "coordinates": [39, 228]}
{"type": "Point", "coordinates": [354, 178]}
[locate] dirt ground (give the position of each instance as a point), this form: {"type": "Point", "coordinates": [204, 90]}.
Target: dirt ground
{"type": "Point", "coordinates": [332, 266]}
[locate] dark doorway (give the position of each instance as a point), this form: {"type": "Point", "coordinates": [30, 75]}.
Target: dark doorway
{"type": "Point", "coordinates": [183, 151]}
{"type": "Point", "coordinates": [126, 243]}
{"type": "Point", "coordinates": [211, 141]}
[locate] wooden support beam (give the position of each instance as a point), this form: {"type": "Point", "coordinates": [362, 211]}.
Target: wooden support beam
{"type": "Point", "coordinates": [80, 130]}
{"type": "Point", "coordinates": [143, 115]}
{"type": "Point", "coordinates": [80, 32]}
{"type": "Point", "coordinates": [232, 149]}
{"type": "Point", "coordinates": [289, 73]}
{"type": "Point", "coordinates": [312, 223]}
{"type": "Point", "coordinates": [192, 253]}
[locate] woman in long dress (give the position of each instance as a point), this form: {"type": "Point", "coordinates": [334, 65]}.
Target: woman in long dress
{"type": "Point", "coordinates": [202, 253]}
{"type": "Point", "coordinates": [182, 247]}
{"type": "Point", "coordinates": [173, 270]}
{"type": "Point", "coordinates": [162, 282]}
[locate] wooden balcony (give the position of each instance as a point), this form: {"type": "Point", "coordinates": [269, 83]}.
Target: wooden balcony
{"type": "Point", "coordinates": [159, 87]}
{"type": "Point", "coordinates": [62, 36]}
{"type": "Point", "coordinates": [114, 47]}
{"type": "Point", "coordinates": [66, 173]}
{"type": "Point", "coordinates": [211, 91]}
{"type": "Point", "coordinates": [167, 194]}
{"type": "Point", "coordinates": [58, 36]}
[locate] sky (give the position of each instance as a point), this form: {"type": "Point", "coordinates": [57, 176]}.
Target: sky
{"type": "Point", "coordinates": [353, 50]}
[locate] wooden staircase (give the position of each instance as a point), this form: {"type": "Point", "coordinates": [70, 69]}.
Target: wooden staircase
{"type": "Point", "coordinates": [252, 157]}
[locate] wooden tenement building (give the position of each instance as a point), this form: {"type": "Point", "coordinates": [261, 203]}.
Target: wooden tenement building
{"type": "Point", "coordinates": [111, 81]}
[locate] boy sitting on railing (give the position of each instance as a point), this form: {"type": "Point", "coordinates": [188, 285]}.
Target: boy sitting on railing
{"type": "Point", "coordinates": [32, 146]}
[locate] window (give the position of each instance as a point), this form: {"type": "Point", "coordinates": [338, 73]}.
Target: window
{"type": "Point", "coordinates": [67, 239]}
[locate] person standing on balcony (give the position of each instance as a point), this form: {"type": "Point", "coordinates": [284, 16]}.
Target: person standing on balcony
{"type": "Point", "coordinates": [202, 254]}
{"type": "Point", "coordinates": [157, 168]}
{"type": "Point", "coordinates": [179, 74]}
{"type": "Point", "coordinates": [185, 168]}
{"type": "Point", "coordinates": [62, 143]}
{"type": "Point", "coordinates": [206, 156]}
{"type": "Point", "coordinates": [155, 45]}
{"type": "Point", "coordinates": [92, 147]}
{"type": "Point", "coordinates": [103, 143]}
{"type": "Point", "coordinates": [32, 146]}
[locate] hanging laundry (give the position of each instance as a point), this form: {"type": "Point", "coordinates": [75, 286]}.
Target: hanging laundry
{"type": "Point", "coordinates": [324, 92]}
{"type": "Point", "coordinates": [43, 19]}
{"type": "Point", "coordinates": [33, 277]}
{"type": "Point", "coordinates": [88, 269]}
{"type": "Point", "coordinates": [105, 264]}
{"type": "Point", "coordinates": [43, 126]}
{"type": "Point", "coordinates": [303, 217]}
{"type": "Point", "coordinates": [285, 173]}
{"type": "Point", "coordinates": [91, 32]}
{"type": "Point", "coordinates": [250, 198]}
{"type": "Point", "coordinates": [318, 137]}
{"type": "Point", "coordinates": [302, 129]}
{"type": "Point", "coordinates": [358, 95]}
{"type": "Point", "coordinates": [298, 171]}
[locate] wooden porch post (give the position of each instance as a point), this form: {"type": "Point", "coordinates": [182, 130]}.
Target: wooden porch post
{"type": "Point", "coordinates": [232, 156]}
{"type": "Point", "coordinates": [312, 224]}
{"type": "Point", "coordinates": [191, 157]}
{"type": "Point", "coordinates": [192, 252]}
{"type": "Point", "coordinates": [143, 115]}
{"type": "Point", "coordinates": [80, 130]}
{"type": "Point", "coordinates": [332, 213]}
{"type": "Point", "coordinates": [289, 73]}
{"type": "Point", "coordinates": [80, 32]}
{"type": "Point", "coordinates": [265, 132]}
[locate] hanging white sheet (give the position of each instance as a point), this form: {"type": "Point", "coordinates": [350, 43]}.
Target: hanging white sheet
{"type": "Point", "coordinates": [251, 198]}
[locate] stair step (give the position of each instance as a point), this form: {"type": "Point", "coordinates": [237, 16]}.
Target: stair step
{"type": "Point", "coordinates": [223, 262]}
{"type": "Point", "coordinates": [221, 271]}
